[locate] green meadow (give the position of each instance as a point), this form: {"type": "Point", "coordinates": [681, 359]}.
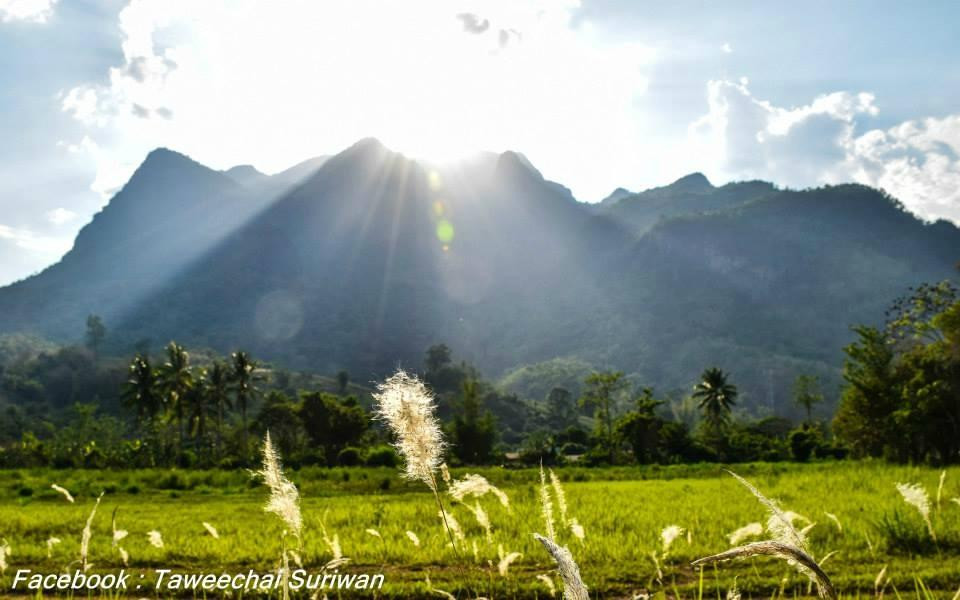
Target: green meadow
{"type": "Point", "coordinates": [622, 510]}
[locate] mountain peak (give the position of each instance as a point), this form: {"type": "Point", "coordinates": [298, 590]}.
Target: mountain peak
{"type": "Point", "coordinates": [244, 174]}
{"type": "Point", "coordinates": [694, 182]}
{"type": "Point", "coordinates": [616, 196]}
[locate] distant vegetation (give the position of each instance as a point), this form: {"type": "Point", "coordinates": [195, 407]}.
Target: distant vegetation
{"type": "Point", "coordinates": [71, 407]}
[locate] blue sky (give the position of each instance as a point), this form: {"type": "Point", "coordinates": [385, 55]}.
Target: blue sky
{"type": "Point", "coordinates": [597, 94]}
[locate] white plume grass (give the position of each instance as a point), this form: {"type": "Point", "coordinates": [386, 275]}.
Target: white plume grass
{"type": "Point", "coordinates": [669, 534]}
{"type": "Point", "coordinates": [87, 534]}
{"type": "Point", "coordinates": [546, 506]}
{"type": "Point", "coordinates": [561, 498]}
{"type": "Point", "coordinates": [284, 500]}
{"type": "Point", "coordinates": [577, 530]}
{"type": "Point", "coordinates": [943, 479]}
{"type": "Point", "coordinates": [548, 581]}
{"type": "Point", "coordinates": [750, 530]}
{"type": "Point", "coordinates": [155, 538]}
{"type": "Point", "coordinates": [51, 542]}
{"type": "Point", "coordinates": [791, 554]}
{"type": "Point", "coordinates": [414, 538]}
{"type": "Point", "coordinates": [5, 552]}
{"type": "Point", "coordinates": [477, 486]}
{"type": "Point", "coordinates": [835, 520]}
{"type": "Point", "coordinates": [211, 530]}
{"type": "Point", "coordinates": [63, 492]}
{"type": "Point", "coordinates": [506, 559]}
{"type": "Point", "coordinates": [573, 586]}
{"type": "Point", "coordinates": [779, 523]}
{"type": "Point", "coordinates": [408, 408]}
{"type": "Point", "coordinates": [915, 495]}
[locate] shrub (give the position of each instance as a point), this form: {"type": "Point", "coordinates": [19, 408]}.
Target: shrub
{"type": "Point", "coordinates": [349, 457]}
{"type": "Point", "coordinates": [383, 456]}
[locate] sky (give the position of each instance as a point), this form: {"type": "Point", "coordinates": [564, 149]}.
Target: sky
{"type": "Point", "coordinates": [597, 94]}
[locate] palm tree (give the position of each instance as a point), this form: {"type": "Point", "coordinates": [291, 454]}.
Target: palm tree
{"type": "Point", "coordinates": [243, 382]}
{"type": "Point", "coordinates": [217, 386]}
{"type": "Point", "coordinates": [199, 407]}
{"type": "Point", "coordinates": [176, 381]}
{"type": "Point", "coordinates": [140, 391]}
{"type": "Point", "coordinates": [716, 396]}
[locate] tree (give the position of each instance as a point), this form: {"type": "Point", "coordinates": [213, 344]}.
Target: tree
{"type": "Point", "coordinates": [176, 380]}
{"type": "Point", "coordinates": [438, 356]}
{"type": "Point", "coordinates": [280, 416]}
{"type": "Point", "coordinates": [641, 427]}
{"type": "Point", "coordinates": [343, 379]}
{"type": "Point", "coordinates": [140, 391]}
{"type": "Point", "coordinates": [199, 407]}
{"type": "Point", "coordinates": [243, 383]}
{"type": "Point", "coordinates": [561, 411]}
{"type": "Point", "coordinates": [474, 429]}
{"type": "Point", "coordinates": [96, 331]}
{"type": "Point", "coordinates": [806, 394]}
{"type": "Point", "coordinates": [716, 397]}
{"type": "Point", "coordinates": [332, 423]}
{"type": "Point", "coordinates": [871, 395]}
{"type": "Point", "coordinates": [601, 392]}
{"type": "Point", "coordinates": [217, 389]}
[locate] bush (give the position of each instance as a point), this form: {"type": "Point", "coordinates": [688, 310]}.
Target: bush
{"type": "Point", "coordinates": [382, 456]}
{"type": "Point", "coordinates": [349, 457]}
{"type": "Point", "coordinates": [804, 443]}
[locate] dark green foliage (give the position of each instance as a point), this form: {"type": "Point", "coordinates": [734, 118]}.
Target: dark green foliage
{"type": "Point", "coordinates": [473, 432]}
{"type": "Point", "coordinates": [804, 442]}
{"type": "Point", "coordinates": [349, 457]}
{"type": "Point", "coordinates": [382, 456]}
{"type": "Point", "coordinates": [716, 397]}
{"type": "Point", "coordinates": [332, 423]}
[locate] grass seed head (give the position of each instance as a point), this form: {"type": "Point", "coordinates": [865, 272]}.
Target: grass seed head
{"type": "Point", "coordinates": [548, 581]}
{"type": "Point", "coordinates": [155, 539]}
{"type": "Point", "coordinates": [780, 524]}
{"type": "Point", "coordinates": [476, 485]}
{"type": "Point", "coordinates": [794, 556]}
{"type": "Point", "coordinates": [505, 560]}
{"type": "Point", "coordinates": [560, 496]}
{"type": "Point", "coordinates": [414, 538]}
{"type": "Point", "coordinates": [573, 586]}
{"type": "Point", "coordinates": [86, 535]}
{"type": "Point", "coordinates": [284, 498]}
{"type": "Point", "coordinates": [546, 506]}
{"type": "Point", "coordinates": [669, 534]}
{"type": "Point", "coordinates": [915, 495]}
{"type": "Point", "coordinates": [408, 408]}
{"type": "Point", "coordinates": [211, 530]}
{"type": "Point", "coordinates": [63, 492]}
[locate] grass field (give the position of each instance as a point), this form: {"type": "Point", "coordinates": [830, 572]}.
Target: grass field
{"type": "Point", "coordinates": [622, 510]}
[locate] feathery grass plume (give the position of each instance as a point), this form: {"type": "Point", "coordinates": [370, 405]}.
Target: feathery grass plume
{"type": "Point", "coordinates": [943, 478]}
{"type": "Point", "coordinates": [561, 497]}
{"type": "Point", "coordinates": [476, 485]}
{"type": "Point", "coordinates": [5, 552]}
{"type": "Point", "coordinates": [656, 564]}
{"type": "Point", "coordinates": [915, 495]}
{"type": "Point", "coordinates": [793, 555]}
{"type": "Point", "coordinates": [445, 473]}
{"type": "Point", "coordinates": [835, 520]}
{"type": "Point", "coordinates": [505, 559]}
{"type": "Point", "coordinates": [63, 492]}
{"type": "Point", "coordinates": [51, 542]}
{"type": "Point", "coordinates": [85, 536]}
{"type": "Point", "coordinates": [779, 524]}
{"type": "Point", "coordinates": [734, 592]}
{"type": "Point", "coordinates": [284, 498]}
{"type": "Point", "coordinates": [413, 538]}
{"type": "Point", "coordinates": [546, 506]}
{"type": "Point", "coordinates": [374, 533]}
{"type": "Point", "coordinates": [573, 586]}
{"type": "Point", "coordinates": [333, 543]}
{"type": "Point", "coordinates": [880, 580]}
{"type": "Point", "coordinates": [155, 539]}
{"type": "Point", "coordinates": [117, 536]}
{"type": "Point", "coordinates": [669, 534]}
{"type": "Point", "coordinates": [408, 408]}
{"type": "Point", "coordinates": [955, 500]}
{"type": "Point", "coordinates": [548, 581]}
{"type": "Point", "coordinates": [211, 530]}
{"type": "Point", "coordinates": [577, 530]}
{"type": "Point", "coordinates": [452, 525]}
{"type": "Point", "coordinates": [482, 518]}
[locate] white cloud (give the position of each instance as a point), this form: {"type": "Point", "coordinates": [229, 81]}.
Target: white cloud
{"type": "Point", "coordinates": [232, 82]}
{"type": "Point", "coordinates": [51, 247]}
{"type": "Point", "coordinates": [35, 11]}
{"type": "Point", "coordinates": [916, 161]}
{"type": "Point", "coordinates": [743, 137]}
{"type": "Point", "coordinates": [60, 215]}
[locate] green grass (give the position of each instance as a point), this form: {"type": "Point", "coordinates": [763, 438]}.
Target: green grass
{"type": "Point", "coordinates": [622, 510]}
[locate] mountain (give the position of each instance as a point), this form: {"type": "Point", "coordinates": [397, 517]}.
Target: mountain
{"type": "Point", "coordinates": [364, 259]}
{"type": "Point", "coordinates": [688, 195]}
